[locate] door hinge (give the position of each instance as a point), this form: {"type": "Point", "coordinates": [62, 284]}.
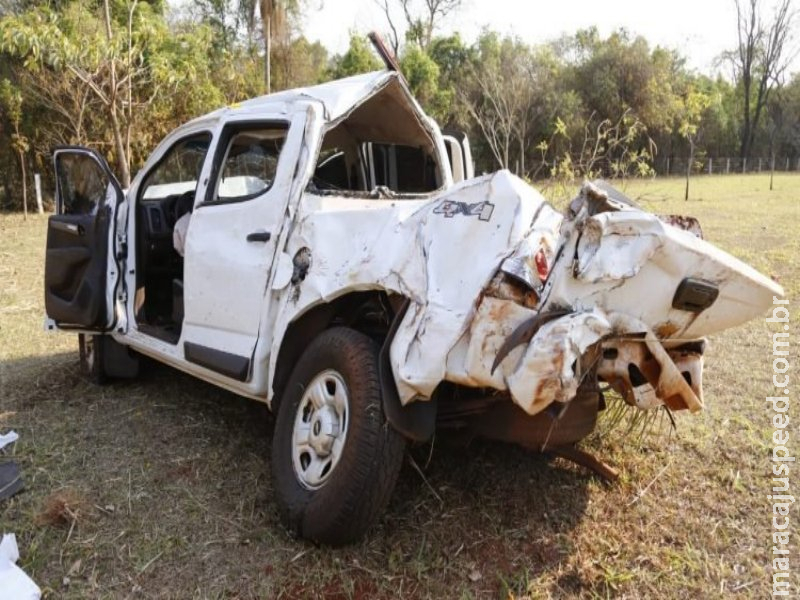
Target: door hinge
{"type": "Point", "coordinates": [122, 246]}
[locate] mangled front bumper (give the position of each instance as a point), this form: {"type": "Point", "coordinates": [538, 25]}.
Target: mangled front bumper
{"type": "Point", "coordinates": [628, 299]}
{"type": "Point", "coordinates": [622, 351]}
{"type": "Point", "coordinates": [541, 361]}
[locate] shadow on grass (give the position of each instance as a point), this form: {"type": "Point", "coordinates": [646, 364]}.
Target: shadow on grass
{"type": "Point", "coordinates": [178, 459]}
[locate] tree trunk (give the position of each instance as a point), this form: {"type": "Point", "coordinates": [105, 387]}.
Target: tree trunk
{"type": "Point", "coordinates": [122, 157]}
{"type": "Point", "coordinates": [746, 126]}
{"type": "Point", "coordinates": [689, 169]}
{"type": "Point", "coordinates": [24, 186]}
{"type": "Point", "coordinates": [124, 174]}
{"type": "Point", "coordinates": [772, 171]}
{"type": "Point", "coordinates": [267, 53]}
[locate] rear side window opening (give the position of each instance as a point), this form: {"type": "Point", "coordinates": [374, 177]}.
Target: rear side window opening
{"type": "Point", "coordinates": [380, 149]}
{"type": "Point", "coordinates": [402, 168]}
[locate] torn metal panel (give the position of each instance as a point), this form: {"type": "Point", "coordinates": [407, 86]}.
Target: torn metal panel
{"type": "Point", "coordinates": [634, 372]}
{"type": "Point", "coordinates": [613, 246]}
{"type": "Point", "coordinates": [549, 371]}
{"type": "Point", "coordinates": [654, 258]}
{"type": "Point", "coordinates": [634, 361]}
{"type": "Point", "coordinates": [470, 362]}
{"type": "Point", "coordinates": [414, 248]}
{"type": "Point", "coordinates": [337, 97]}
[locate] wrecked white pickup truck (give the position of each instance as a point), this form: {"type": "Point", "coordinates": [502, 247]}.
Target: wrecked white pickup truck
{"type": "Point", "coordinates": [341, 265]}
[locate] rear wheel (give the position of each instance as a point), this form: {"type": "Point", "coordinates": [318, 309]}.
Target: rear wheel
{"type": "Point", "coordinates": [335, 458]}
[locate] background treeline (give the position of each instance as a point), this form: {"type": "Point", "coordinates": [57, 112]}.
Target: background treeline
{"type": "Point", "coordinates": [117, 75]}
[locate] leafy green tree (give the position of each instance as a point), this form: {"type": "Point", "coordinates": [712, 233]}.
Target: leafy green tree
{"type": "Point", "coordinates": [693, 104]}
{"type": "Point", "coordinates": [299, 63]}
{"type": "Point", "coordinates": [423, 77]}
{"type": "Point", "coordinates": [619, 74]}
{"type": "Point", "coordinates": [128, 62]}
{"type": "Point", "coordinates": [720, 120]}
{"type": "Point", "coordinates": [453, 58]}
{"type": "Point", "coordinates": [510, 92]}
{"type": "Point", "coordinates": [359, 58]}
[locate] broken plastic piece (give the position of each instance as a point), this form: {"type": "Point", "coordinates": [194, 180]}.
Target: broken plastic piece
{"type": "Point", "coordinates": [10, 480]}
{"type": "Point", "coordinates": [14, 583]}
{"type": "Point", "coordinates": [8, 438]}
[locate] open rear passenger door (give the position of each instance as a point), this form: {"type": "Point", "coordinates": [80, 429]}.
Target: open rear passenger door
{"type": "Point", "coordinates": [81, 272]}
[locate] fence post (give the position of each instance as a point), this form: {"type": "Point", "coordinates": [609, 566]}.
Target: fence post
{"type": "Point", "coordinates": [710, 167]}
{"type": "Point", "coordinates": [37, 182]}
{"type": "Point", "coordinates": [759, 165]}
{"type": "Point", "coordinates": [744, 165]}
{"type": "Point", "coordinates": [798, 162]}
{"type": "Point", "coordinates": [728, 166]}
{"type": "Point", "coordinates": [787, 164]}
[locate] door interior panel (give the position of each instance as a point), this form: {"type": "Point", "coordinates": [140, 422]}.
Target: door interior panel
{"type": "Point", "coordinates": [72, 263]}
{"type": "Point", "coordinates": [75, 269]}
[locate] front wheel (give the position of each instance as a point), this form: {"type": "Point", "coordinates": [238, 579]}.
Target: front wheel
{"type": "Point", "coordinates": [335, 458]}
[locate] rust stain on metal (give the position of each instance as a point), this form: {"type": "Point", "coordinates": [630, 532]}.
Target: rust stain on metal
{"type": "Point", "coordinates": [524, 334]}
{"type": "Point", "coordinates": [684, 222]}
{"type": "Point", "coordinates": [666, 330]}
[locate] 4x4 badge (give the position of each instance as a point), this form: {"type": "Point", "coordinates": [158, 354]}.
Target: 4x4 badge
{"type": "Point", "coordinates": [482, 210]}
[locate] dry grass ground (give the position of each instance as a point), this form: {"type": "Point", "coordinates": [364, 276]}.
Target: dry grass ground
{"type": "Point", "coordinates": [160, 487]}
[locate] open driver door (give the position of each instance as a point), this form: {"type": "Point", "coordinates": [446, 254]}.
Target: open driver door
{"type": "Point", "coordinates": [81, 267]}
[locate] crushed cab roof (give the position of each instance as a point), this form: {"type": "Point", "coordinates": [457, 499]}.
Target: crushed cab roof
{"type": "Point", "coordinates": [338, 97]}
{"type": "Point", "coordinates": [373, 107]}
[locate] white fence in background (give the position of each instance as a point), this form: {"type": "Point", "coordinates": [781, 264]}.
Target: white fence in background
{"type": "Point", "coordinates": [722, 166]}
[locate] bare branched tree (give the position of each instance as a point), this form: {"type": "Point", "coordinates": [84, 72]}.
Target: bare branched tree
{"type": "Point", "coordinates": [499, 99]}
{"type": "Point", "coordinates": [394, 38]}
{"type": "Point", "coordinates": [422, 18]}
{"type": "Point", "coordinates": [760, 60]}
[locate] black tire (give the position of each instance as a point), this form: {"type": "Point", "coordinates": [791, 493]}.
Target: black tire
{"type": "Point", "coordinates": [92, 353]}
{"type": "Point", "coordinates": [357, 488]}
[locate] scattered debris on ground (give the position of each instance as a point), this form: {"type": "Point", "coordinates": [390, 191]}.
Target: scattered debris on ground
{"type": "Point", "coordinates": [14, 583]}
